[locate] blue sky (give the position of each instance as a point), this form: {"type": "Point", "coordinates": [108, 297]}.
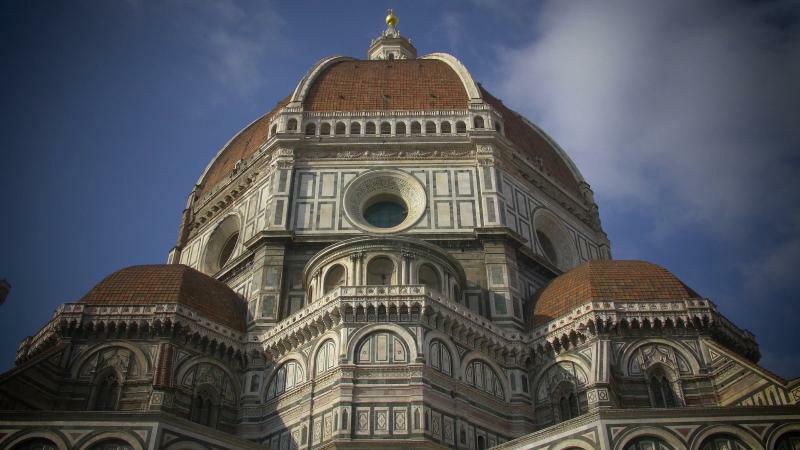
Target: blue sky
{"type": "Point", "coordinates": [682, 115]}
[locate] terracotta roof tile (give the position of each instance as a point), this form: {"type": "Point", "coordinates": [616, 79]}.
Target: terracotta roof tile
{"type": "Point", "coordinates": [242, 146]}
{"type": "Point", "coordinates": [170, 283]}
{"type": "Point", "coordinates": [403, 84]}
{"type": "Point", "coordinates": [607, 280]}
{"type": "Point", "coordinates": [530, 141]}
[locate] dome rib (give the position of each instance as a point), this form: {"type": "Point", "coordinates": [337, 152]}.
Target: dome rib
{"type": "Point", "coordinates": [170, 283]}
{"type": "Point", "coordinates": [610, 280]}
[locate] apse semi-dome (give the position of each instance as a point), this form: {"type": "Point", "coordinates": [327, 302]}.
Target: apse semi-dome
{"type": "Point", "coordinates": [610, 280]}
{"type": "Point", "coordinates": [170, 283]}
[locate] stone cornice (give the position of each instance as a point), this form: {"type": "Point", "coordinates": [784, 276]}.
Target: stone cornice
{"type": "Point", "coordinates": [155, 319]}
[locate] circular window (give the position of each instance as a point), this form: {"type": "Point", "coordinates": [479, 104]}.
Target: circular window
{"type": "Point", "coordinates": [386, 212]}
{"type": "Point", "coordinates": [384, 201]}
{"type": "Point", "coordinates": [227, 249]}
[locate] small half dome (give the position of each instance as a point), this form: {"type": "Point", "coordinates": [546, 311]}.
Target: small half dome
{"type": "Point", "coordinates": [171, 283]}
{"type": "Point", "coordinates": [611, 280]}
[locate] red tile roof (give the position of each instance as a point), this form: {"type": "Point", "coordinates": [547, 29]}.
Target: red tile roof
{"type": "Point", "coordinates": [533, 143]}
{"type": "Point", "coordinates": [242, 146]}
{"type": "Point", "coordinates": [607, 280]}
{"type": "Point", "coordinates": [171, 283]}
{"type": "Point", "coordinates": [404, 84]}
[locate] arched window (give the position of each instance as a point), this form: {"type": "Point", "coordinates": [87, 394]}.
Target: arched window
{"type": "Point", "coordinates": [286, 377]}
{"type": "Point", "coordinates": [341, 128]}
{"type": "Point", "coordinates": [273, 130]}
{"type": "Point", "coordinates": [400, 128]}
{"type": "Point", "coordinates": [477, 122]}
{"type": "Point", "coordinates": [429, 276]}
{"type": "Point", "coordinates": [430, 127]}
{"type": "Point", "coordinates": [107, 392]}
{"type": "Point", "coordinates": [440, 358]}
{"type": "Point", "coordinates": [789, 441]}
{"type": "Point", "coordinates": [660, 388]}
{"type": "Point", "coordinates": [648, 443]}
{"type": "Point", "coordinates": [325, 129]}
{"type": "Point", "coordinates": [461, 127]}
{"type": "Point", "coordinates": [380, 271]}
{"type": "Point", "coordinates": [724, 442]}
{"type": "Point", "coordinates": [497, 127]}
{"type": "Point", "coordinates": [227, 249]}
{"type": "Point", "coordinates": [370, 128]}
{"type": "Point", "coordinates": [311, 129]}
{"type": "Point", "coordinates": [446, 128]}
{"type": "Point", "coordinates": [291, 125]}
{"type": "Point", "coordinates": [355, 128]}
{"type": "Point", "coordinates": [205, 406]}
{"type": "Point", "coordinates": [36, 444]}
{"type": "Point", "coordinates": [381, 348]}
{"type": "Point", "coordinates": [326, 357]}
{"type": "Point", "coordinates": [416, 128]}
{"type": "Point", "coordinates": [481, 443]}
{"type": "Point", "coordinates": [111, 444]}
{"type": "Point", "coordinates": [335, 276]}
{"type": "Point", "coordinates": [480, 375]}
{"type": "Point", "coordinates": [386, 128]}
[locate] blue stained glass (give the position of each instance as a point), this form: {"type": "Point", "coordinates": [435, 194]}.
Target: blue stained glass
{"type": "Point", "coordinates": [385, 214]}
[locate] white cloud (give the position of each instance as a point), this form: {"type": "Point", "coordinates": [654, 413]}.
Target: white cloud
{"type": "Point", "coordinates": [687, 108]}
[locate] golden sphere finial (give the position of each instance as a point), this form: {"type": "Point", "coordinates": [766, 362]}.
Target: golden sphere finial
{"type": "Point", "coordinates": [391, 19]}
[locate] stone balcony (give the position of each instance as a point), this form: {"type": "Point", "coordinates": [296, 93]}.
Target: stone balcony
{"type": "Point", "coordinates": [411, 304]}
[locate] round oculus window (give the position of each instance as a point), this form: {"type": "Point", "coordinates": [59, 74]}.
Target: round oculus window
{"type": "Point", "coordinates": [386, 213]}
{"type": "Point", "coordinates": [384, 201]}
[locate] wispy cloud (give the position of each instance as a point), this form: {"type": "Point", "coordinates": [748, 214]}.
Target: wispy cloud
{"type": "Point", "coordinates": [693, 105]}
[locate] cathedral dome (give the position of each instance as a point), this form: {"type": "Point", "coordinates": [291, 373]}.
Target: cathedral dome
{"type": "Point", "coordinates": [170, 283]}
{"type": "Point", "coordinates": [611, 280]}
{"type": "Point", "coordinates": [433, 83]}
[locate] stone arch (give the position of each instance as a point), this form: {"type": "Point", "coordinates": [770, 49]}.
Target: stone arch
{"type": "Point", "coordinates": [189, 364]}
{"type": "Point", "coordinates": [296, 356]}
{"type": "Point", "coordinates": [355, 129]}
{"type": "Point", "coordinates": [547, 225]}
{"type": "Point", "coordinates": [430, 127]}
{"type": "Point", "coordinates": [634, 433]}
{"type": "Point", "coordinates": [779, 432]}
{"type": "Point", "coordinates": [340, 129]}
{"type": "Point", "coordinates": [432, 335]}
{"type": "Point", "coordinates": [141, 358]}
{"type": "Point", "coordinates": [431, 276]}
{"type": "Point", "coordinates": [227, 227]}
{"type": "Point", "coordinates": [323, 339]}
{"type": "Point", "coordinates": [130, 438]}
{"type": "Point", "coordinates": [475, 355]}
{"type": "Point", "coordinates": [310, 129]}
{"type": "Point", "coordinates": [470, 86]}
{"type": "Point", "coordinates": [416, 128]}
{"type": "Point", "coordinates": [304, 377]}
{"type": "Point", "coordinates": [402, 333]}
{"type": "Point", "coordinates": [400, 128]}
{"type": "Point", "coordinates": [737, 432]}
{"type": "Point", "coordinates": [681, 350]}
{"type": "Point", "coordinates": [325, 129]}
{"type": "Point", "coordinates": [56, 438]}
{"type": "Point", "coordinates": [291, 124]}
{"type": "Point", "coordinates": [583, 375]}
{"type": "Point", "coordinates": [368, 263]}
{"type": "Point", "coordinates": [335, 275]}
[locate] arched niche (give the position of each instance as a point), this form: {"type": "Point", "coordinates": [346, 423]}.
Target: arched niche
{"type": "Point", "coordinates": [428, 275]}
{"type": "Point", "coordinates": [554, 242]}
{"type": "Point", "coordinates": [222, 244]}
{"type": "Point", "coordinates": [381, 271]}
{"type": "Point", "coordinates": [335, 276]}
